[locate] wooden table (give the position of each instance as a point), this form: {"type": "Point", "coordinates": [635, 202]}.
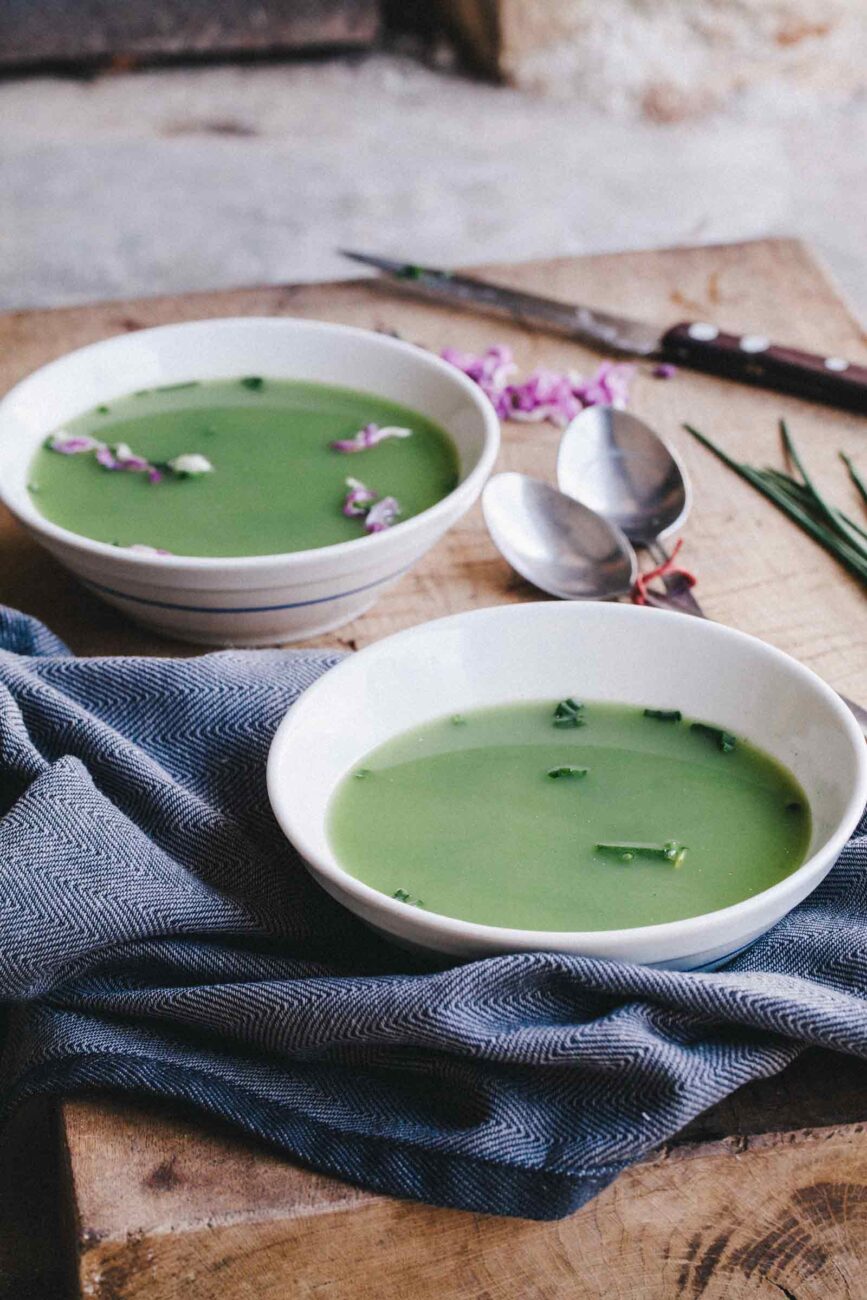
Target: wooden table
{"type": "Point", "coordinates": [765, 1195]}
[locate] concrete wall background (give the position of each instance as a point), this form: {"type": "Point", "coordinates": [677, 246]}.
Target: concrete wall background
{"type": "Point", "coordinates": [189, 178]}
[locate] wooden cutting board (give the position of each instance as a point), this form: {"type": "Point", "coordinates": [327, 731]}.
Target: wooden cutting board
{"type": "Point", "coordinates": [764, 1196]}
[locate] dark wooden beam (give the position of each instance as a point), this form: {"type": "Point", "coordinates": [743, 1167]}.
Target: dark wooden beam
{"type": "Point", "coordinates": [95, 31]}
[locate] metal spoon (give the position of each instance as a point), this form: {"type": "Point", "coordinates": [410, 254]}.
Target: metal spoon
{"type": "Point", "coordinates": [555, 542]}
{"type": "Point", "coordinates": [614, 463]}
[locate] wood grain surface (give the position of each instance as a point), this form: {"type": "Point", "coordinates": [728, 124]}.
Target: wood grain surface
{"type": "Point", "coordinates": [765, 1196]}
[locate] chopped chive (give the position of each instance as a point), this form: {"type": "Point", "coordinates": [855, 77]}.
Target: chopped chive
{"type": "Point", "coordinates": [568, 714]}
{"type": "Point", "coordinates": [671, 851]}
{"type": "Point", "coordinates": [724, 739]}
{"type": "Point", "coordinates": [664, 715]}
{"type": "Point", "coordinates": [103, 410]}
{"type": "Point", "coordinates": [458, 720]}
{"type": "Point", "coordinates": [411, 272]}
{"type": "Point", "coordinates": [362, 773]}
{"type": "Point", "coordinates": [403, 897]}
{"type": "Point", "coordinates": [253, 382]}
{"type": "Point", "coordinates": [555, 772]}
{"type": "Point", "coordinates": [177, 388]}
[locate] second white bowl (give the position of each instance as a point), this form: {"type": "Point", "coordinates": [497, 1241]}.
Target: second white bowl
{"type": "Point", "coordinates": [547, 651]}
{"type": "Point", "coordinates": [250, 600]}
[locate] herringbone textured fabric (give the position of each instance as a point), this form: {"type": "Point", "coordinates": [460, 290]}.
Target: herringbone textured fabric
{"type": "Point", "coordinates": [158, 935]}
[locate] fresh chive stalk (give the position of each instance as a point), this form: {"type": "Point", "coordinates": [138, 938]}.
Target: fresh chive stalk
{"type": "Point", "coordinates": [856, 478]}
{"type": "Point", "coordinates": [841, 536]}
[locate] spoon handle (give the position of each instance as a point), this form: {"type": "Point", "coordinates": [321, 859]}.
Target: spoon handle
{"type": "Point", "coordinates": [679, 591]}
{"type": "Point", "coordinates": [680, 598]}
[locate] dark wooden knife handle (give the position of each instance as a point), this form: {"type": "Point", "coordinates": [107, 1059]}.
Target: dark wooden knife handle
{"type": "Point", "coordinates": [754, 359]}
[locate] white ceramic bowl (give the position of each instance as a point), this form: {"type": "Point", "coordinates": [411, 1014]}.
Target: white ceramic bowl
{"type": "Point", "coordinates": [250, 600]}
{"type": "Point", "coordinates": [548, 651]}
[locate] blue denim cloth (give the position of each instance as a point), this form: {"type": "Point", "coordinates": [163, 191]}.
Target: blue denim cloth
{"type": "Point", "coordinates": [159, 936]}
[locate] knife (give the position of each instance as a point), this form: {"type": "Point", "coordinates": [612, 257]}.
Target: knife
{"type": "Point", "coordinates": [700, 345]}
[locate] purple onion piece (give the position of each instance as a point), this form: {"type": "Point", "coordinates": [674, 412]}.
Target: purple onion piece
{"type": "Point", "coordinates": [358, 499]}
{"type": "Point", "coordinates": [69, 444]}
{"type": "Point", "coordinates": [370, 436]}
{"type": "Point", "coordinates": [381, 515]}
{"type": "Point", "coordinates": [545, 394]}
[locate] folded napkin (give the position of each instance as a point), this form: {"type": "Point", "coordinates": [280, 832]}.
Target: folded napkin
{"type": "Point", "coordinates": [159, 936]}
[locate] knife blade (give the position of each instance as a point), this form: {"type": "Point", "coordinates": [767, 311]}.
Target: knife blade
{"type": "Point", "coordinates": [700, 345]}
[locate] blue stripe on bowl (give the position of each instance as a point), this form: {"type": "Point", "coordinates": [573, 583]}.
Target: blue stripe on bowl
{"type": "Point", "coordinates": [720, 961]}
{"type": "Point", "coordinates": [244, 609]}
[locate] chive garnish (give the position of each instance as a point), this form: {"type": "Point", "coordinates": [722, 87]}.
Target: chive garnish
{"type": "Point", "coordinates": [410, 272]}
{"type": "Point", "coordinates": [555, 772]}
{"type": "Point", "coordinates": [568, 714]}
{"type": "Point", "coordinates": [724, 739]}
{"type": "Point", "coordinates": [103, 410]}
{"type": "Point", "coordinates": [177, 388]}
{"type": "Point", "coordinates": [671, 851]}
{"type": "Point", "coordinates": [664, 715]}
{"type": "Point", "coordinates": [403, 897]}
{"type": "Point", "coordinates": [253, 382]}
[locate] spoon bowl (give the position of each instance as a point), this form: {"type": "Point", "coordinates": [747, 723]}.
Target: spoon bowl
{"type": "Point", "coordinates": [555, 542]}
{"type": "Point", "coordinates": [614, 463]}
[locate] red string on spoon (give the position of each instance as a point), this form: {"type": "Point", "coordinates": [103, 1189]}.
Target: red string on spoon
{"type": "Point", "coordinates": [668, 569]}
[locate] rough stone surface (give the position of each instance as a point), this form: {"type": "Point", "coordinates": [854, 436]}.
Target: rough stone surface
{"type": "Point", "coordinates": [206, 177]}
{"type": "Point", "coordinates": [668, 59]}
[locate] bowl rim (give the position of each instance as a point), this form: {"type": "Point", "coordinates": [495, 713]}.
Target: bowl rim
{"type": "Point", "coordinates": [15, 497]}
{"type": "Point", "coordinates": [667, 933]}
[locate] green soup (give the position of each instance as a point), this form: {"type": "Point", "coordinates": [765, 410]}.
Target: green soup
{"type": "Point", "coordinates": [276, 483]}
{"type": "Point", "coordinates": [583, 817]}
